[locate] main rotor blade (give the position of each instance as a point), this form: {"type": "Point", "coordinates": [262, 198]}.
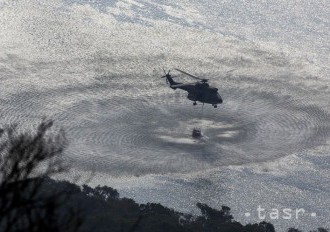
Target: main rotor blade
{"type": "Point", "coordinates": [181, 85]}
{"type": "Point", "coordinates": [189, 74]}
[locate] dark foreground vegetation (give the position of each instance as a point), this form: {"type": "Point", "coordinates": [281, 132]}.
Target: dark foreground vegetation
{"type": "Point", "coordinates": [31, 201]}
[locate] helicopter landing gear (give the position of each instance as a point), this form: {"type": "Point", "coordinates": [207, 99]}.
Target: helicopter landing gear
{"type": "Point", "coordinates": [215, 106]}
{"type": "Point", "coordinates": [195, 103]}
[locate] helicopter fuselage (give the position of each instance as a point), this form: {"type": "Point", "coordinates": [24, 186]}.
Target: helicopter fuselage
{"type": "Point", "coordinates": [200, 92]}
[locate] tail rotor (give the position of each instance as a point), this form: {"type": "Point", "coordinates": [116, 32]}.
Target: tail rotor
{"type": "Point", "coordinates": [167, 75]}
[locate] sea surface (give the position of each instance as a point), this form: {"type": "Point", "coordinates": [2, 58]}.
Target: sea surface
{"type": "Point", "coordinates": [95, 67]}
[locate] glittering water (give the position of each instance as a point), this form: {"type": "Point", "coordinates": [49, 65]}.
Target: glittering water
{"type": "Point", "coordinates": [94, 67]}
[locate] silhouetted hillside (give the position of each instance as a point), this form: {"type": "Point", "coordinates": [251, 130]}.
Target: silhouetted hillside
{"type": "Point", "coordinates": [104, 210]}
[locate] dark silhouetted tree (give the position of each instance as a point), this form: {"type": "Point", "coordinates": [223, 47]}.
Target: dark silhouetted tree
{"type": "Point", "coordinates": [320, 230]}
{"type": "Point", "coordinates": [27, 159]}
{"type": "Point", "coordinates": [293, 230]}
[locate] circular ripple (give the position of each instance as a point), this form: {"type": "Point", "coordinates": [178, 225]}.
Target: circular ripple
{"type": "Point", "coordinates": [136, 126]}
{"type": "Point", "coordinates": [138, 130]}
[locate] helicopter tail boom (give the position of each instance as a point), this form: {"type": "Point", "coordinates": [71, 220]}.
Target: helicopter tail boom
{"type": "Point", "coordinates": [171, 82]}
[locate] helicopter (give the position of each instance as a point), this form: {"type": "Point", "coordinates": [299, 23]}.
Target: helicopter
{"type": "Point", "coordinates": [199, 91]}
